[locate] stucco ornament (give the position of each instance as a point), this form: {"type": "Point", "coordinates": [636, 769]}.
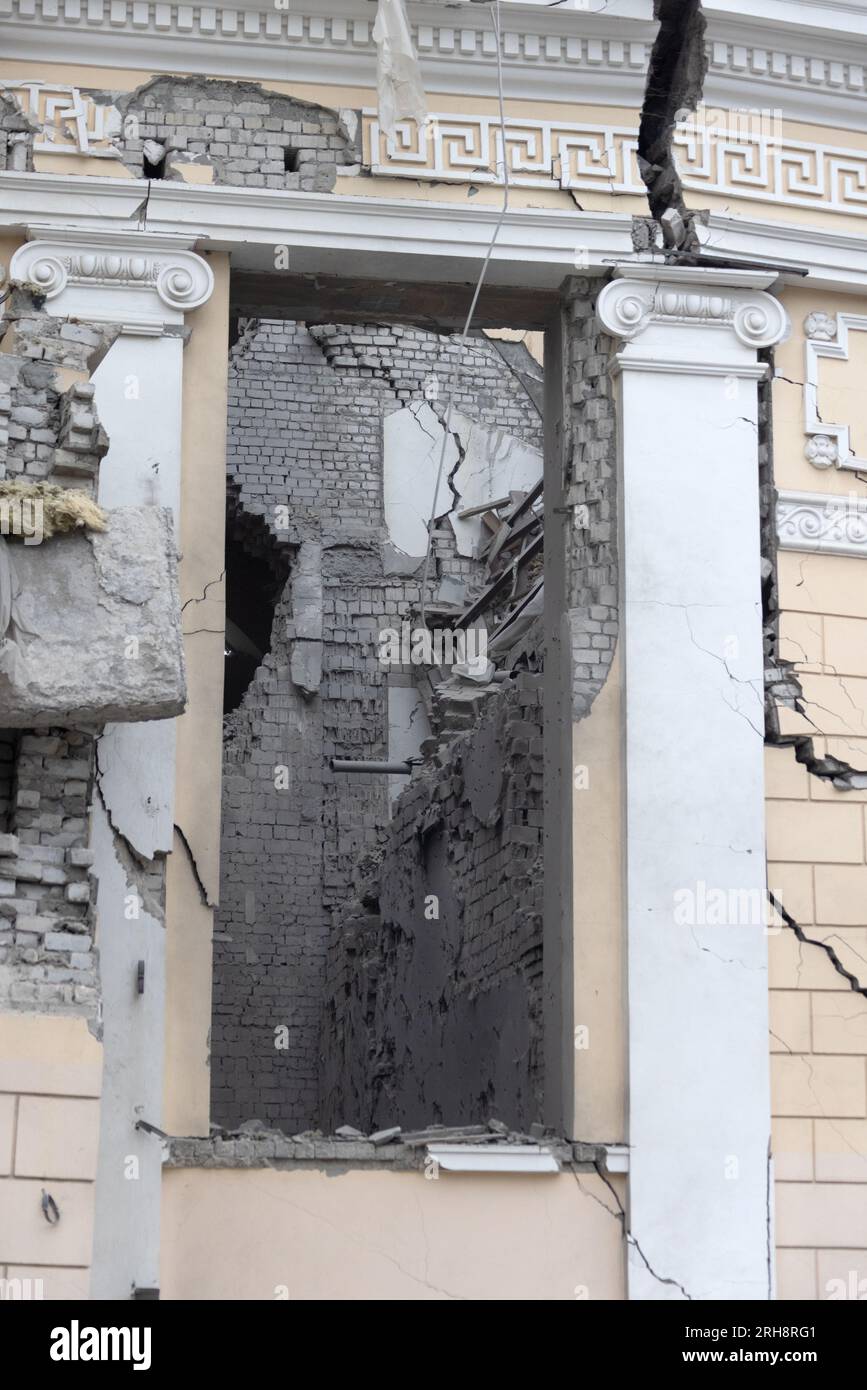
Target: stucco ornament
{"type": "Point", "coordinates": [822, 451]}
{"type": "Point", "coordinates": [821, 326]}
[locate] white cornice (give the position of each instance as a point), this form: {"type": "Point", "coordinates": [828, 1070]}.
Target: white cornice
{"type": "Point", "coordinates": [325, 233]}
{"type": "Point", "coordinates": [777, 58]}
{"type": "Point", "coordinates": [398, 238]}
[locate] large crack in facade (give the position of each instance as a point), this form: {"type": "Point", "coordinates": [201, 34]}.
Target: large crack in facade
{"type": "Point", "coordinates": [678, 65]}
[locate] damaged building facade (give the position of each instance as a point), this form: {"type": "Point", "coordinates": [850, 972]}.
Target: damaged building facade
{"type": "Point", "coordinates": [433, 725]}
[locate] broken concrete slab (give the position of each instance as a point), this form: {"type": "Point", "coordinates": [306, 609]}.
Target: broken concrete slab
{"type": "Point", "coordinates": [412, 449]}
{"type": "Point", "coordinates": [95, 626]}
{"type": "Point", "coordinates": [493, 463]}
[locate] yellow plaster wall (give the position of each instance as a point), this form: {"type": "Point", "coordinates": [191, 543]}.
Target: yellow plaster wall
{"type": "Point", "coordinates": [50, 1084]}
{"type": "Point", "coordinates": [817, 853]}
{"type": "Point", "coordinates": [302, 1234]}
{"type": "Point", "coordinates": [599, 962]}
{"type": "Point", "coordinates": [192, 892]}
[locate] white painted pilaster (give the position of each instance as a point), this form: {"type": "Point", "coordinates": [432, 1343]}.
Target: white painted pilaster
{"type": "Point", "coordinates": [143, 284]}
{"type": "Point", "coordinates": [699, 1107]}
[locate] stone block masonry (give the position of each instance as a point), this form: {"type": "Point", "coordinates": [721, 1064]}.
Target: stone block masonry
{"type": "Point", "coordinates": [434, 991]}
{"type": "Point", "coordinates": [306, 412]}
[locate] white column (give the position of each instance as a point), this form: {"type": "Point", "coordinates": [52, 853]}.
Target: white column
{"type": "Point", "coordinates": [699, 1106]}
{"type": "Point", "coordinates": [144, 285]}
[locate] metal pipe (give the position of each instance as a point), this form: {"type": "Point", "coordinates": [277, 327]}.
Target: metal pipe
{"type": "Point", "coordinates": [347, 765]}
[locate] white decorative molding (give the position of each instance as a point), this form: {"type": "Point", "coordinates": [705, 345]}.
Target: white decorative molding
{"type": "Point", "coordinates": [119, 276]}
{"type": "Point", "coordinates": [827, 335]}
{"type": "Point", "coordinates": [692, 300]}
{"type": "Point", "coordinates": [754, 60]}
{"type": "Point", "coordinates": [824, 522]}
{"type": "Point", "coordinates": [746, 164]}
{"type": "Point", "coordinates": [71, 122]}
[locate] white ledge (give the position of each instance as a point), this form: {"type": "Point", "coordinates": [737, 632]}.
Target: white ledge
{"type": "Point", "coordinates": [493, 1158]}
{"type": "Point", "coordinates": [435, 241]}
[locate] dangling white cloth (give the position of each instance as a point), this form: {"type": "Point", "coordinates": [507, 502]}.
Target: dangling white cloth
{"type": "Point", "coordinates": [398, 76]}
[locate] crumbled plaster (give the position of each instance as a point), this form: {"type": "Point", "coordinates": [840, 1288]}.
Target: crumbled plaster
{"type": "Point", "coordinates": [492, 464]}
{"type": "Point", "coordinates": [96, 623]}
{"type": "Point", "coordinates": [254, 1145]}
{"type": "Point", "coordinates": [231, 132]}
{"type": "Point", "coordinates": [17, 132]}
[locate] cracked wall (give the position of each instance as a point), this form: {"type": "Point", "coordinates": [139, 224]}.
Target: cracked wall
{"type": "Point", "coordinates": [816, 786]}
{"type": "Point", "coordinates": [319, 1231]}
{"type": "Point", "coordinates": [17, 132]}
{"type": "Point", "coordinates": [675, 79]}
{"type": "Point", "coordinates": [306, 420]}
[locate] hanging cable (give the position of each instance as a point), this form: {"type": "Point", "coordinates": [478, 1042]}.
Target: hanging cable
{"type": "Point", "coordinates": [455, 373]}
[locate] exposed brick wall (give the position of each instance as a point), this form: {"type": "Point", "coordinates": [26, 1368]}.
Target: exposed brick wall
{"type": "Point", "coordinates": [591, 483]}
{"type": "Point", "coordinates": [47, 960]}
{"type": "Point", "coordinates": [46, 933]}
{"type": "Point", "coordinates": [16, 136]}
{"type": "Point", "coordinates": [249, 136]}
{"type": "Point", "coordinates": [46, 433]}
{"type": "Point", "coordinates": [439, 1017]}
{"type": "Point", "coordinates": [305, 433]}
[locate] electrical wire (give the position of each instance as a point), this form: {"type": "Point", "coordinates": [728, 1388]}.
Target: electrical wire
{"type": "Point", "coordinates": [455, 373]}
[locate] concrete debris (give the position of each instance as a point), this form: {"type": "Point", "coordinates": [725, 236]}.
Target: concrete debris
{"type": "Point", "coordinates": [492, 463]}
{"type": "Point", "coordinates": [386, 1136]}
{"type": "Point", "coordinates": [17, 132]}
{"type": "Point", "coordinates": [112, 648]}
